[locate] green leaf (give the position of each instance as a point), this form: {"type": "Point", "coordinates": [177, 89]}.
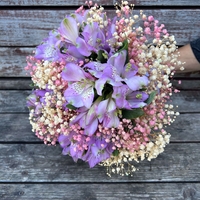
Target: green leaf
{"type": "Point", "coordinates": [125, 47]}
{"type": "Point", "coordinates": [33, 85]}
{"type": "Point", "coordinates": [102, 56]}
{"type": "Point", "coordinates": [70, 106]}
{"type": "Point", "coordinates": [151, 97]}
{"type": "Point", "coordinates": [132, 114]}
{"type": "Point", "coordinates": [115, 153]}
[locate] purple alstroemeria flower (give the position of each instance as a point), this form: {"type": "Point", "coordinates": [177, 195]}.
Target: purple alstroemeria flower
{"type": "Point", "coordinates": [87, 118]}
{"type": "Point", "coordinates": [128, 99]}
{"type": "Point", "coordinates": [31, 100]}
{"type": "Point", "coordinates": [80, 91]}
{"type": "Point", "coordinates": [69, 30]}
{"type": "Point", "coordinates": [50, 49]}
{"type": "Point", "coordinates": [103, 73]}
{"type": "Point", "coordinates": [94, 36]}
{"type": "Point", "coordinates": [70, 146]}
{"type": "Point", "coordinates": [99, 151]}
{"type": "Point", "coordinates": [111, 29]}
{"type": "Point", "coordinates": [107, 113]}
{"type": "Point", "coordinates": [126, 73]}
{"type": "Point", "coordinates": [116, 73]}
{"type": "Point", "coordinates": [36, 100]}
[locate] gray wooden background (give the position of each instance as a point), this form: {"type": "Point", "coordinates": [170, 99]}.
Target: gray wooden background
{"type": "Point", "coordinates": [29, 170]}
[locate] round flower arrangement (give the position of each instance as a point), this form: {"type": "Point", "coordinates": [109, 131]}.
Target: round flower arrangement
{"type": "Point", "coordinates": [101, 87]}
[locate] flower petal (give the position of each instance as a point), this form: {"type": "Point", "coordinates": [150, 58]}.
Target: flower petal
{"type": "Point", "coordinates": [101, 109]}
{"type": "Point", "coordinates": [82, 47]}
{"type": "Point", "coordinates": [118, 61]}
{"type": "Point", "coordinates": [99, 85]}
{"type": "Point", "coordinates": [73, 97]}
{"type": "Point", "coordinates": [137, 82]}
{"type": "Point", "coordinates": [90, 129]}
{"type": "Point", "coordinates": [111, 105]}
{"type": "Point", "coordinates": [88, 97]}
{"type": "Point", "coordinates": [72, 72]}
{"type": "Point", "coordinates": [111, 120]}
{"type": "Point", "coordinates": [69, 30]}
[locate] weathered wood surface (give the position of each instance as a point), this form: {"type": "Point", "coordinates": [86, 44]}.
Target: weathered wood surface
{"type": "Point", "coordinates": [15, 83]}
{"type": "Point", "coordinates": [15, 101]}
{"type": "Point", "coordinates": [129, 191]}
{"type": "Point", "coordinates": [13, 61]}
{"type": "Point", "coordinates": [39, 163]}
{"type": "Point", "coordinates": [29, 27]}
{"type": "Point", "coordinates": [102, 2]}
{"type": "Point", "coordinates": [16, 128]}
{"type": "Point", "coordinates": [189, 84]}
{"type": "Point", "coordinates": [30, 170]}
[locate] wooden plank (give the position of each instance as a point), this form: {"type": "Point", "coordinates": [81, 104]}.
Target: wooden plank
{"type": "Point", "coordinates": [15, 84]}
{"type": "Point", "coordinates": [29, 27]}
{"type": "Point", "coordinates": [187, 84]}
{"type": "Point", "coordinates": [187, 101]}
{"type": "Point", "coordinates": [13, 61]}
{"type": "Point", "coordinates": [15, 101]}
{"type": "Point", "coordinates": [126, 191]}
{"type": "Point", "coordinates": [102, 2]}
{"type": "Point", "coordinates": [16, 128]}
{"type": "Point", "coordinates": [24, 84]}
{"type": "Point", "coordinates": [41, 163]}
{"type": "Point", "coordinates": [185, 128]}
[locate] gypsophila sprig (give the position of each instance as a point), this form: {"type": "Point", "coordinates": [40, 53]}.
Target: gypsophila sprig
{"type": "Point", "coordinates": [102, 87]}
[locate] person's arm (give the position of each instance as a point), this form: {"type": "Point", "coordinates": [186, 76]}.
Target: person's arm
{"type": "Point", "coordinates": [190, 55]}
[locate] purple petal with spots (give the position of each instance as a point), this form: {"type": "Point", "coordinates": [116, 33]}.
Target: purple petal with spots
{"type": "Point", "coordinates": [118, 61]}
{"type": "Point", "coordinates": [88, 97]}
{"type": "Point", "coordinates": [73, 98]}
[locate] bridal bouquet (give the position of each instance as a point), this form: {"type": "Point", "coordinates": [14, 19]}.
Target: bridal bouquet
{"type": "Point", "coordinates": [101, 87]}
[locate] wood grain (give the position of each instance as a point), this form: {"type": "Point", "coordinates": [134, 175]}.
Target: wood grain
{"type": "Point", "coordinates": [102, 2]}
{"type": "Point", "coordinates": [30, 27]}
{"type": "Point", "coordinates": [15, 101]}
{"type": "Point", "coordinates": [41, 163]}
{"type": "Point", "coordinates": [126, 191]}
{"type": "Point", "coordinates": [187, 84]}
{"type": "Point", "coordinates": [13, 61]}
{"type": "Point", "coordinates": [16, 128]}
{"type": "Point", "coordinates": [15, 84]}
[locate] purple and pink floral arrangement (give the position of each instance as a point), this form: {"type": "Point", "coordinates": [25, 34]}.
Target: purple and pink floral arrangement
{"type": "Point", "coordinates": [102, 87]}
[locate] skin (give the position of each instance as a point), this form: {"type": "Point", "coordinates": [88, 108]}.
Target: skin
{"type": "Point", "coordinates": [187, 57]}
